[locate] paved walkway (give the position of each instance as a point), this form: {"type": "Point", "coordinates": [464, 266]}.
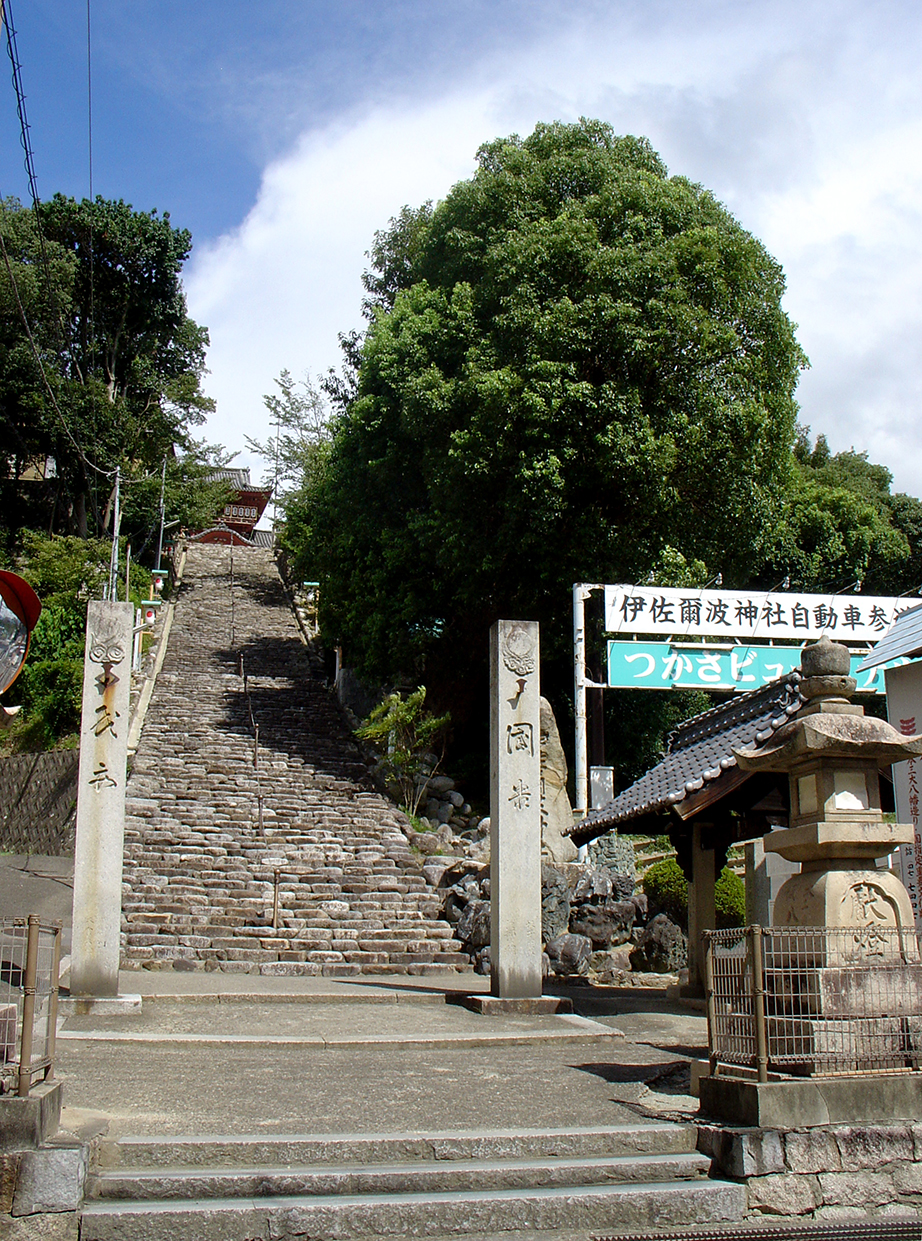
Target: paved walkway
{"type": "Point", "coordinates": [208, 1054]}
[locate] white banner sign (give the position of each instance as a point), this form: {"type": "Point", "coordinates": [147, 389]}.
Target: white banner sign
{"type": "Point", "coordinates": [748, 615]}
{"type": "Point", "coordinates": [904, 710]}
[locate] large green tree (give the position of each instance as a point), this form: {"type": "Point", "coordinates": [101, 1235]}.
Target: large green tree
{"type": "Point", "coordinates": [576, 366]}
{"type": "Point", "coordinates": [839, 524]}
{"type": "Point", "coordinates": [101, 366]}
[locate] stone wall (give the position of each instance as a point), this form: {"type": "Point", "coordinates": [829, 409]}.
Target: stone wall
{"type": "Point", "coordinates": [825, 1173]}
{"type": "Point", "coordinates": [38, 802]}
{"type": "Point", "coordinates": [615, 853]}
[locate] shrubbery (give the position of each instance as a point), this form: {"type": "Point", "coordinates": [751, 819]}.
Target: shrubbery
{"type": "Point", "coordinates": [730, 899]}
{"type": "Point", "coordinates": [65, 572]}
{"type": "Point", "coordinates": [404, 734]}
{"type": "Point", "coordinates": [667, 892]}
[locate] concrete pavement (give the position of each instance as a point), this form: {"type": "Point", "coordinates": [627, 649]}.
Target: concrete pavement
{"type": "Point", "coordinates": [212, 1054]}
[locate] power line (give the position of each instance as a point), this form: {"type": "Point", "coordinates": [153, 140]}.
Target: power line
{"type": "Point", "coordinates": [41, 366]}
{"type": "Point", "coordinates": [29, 159]}
{"type": "Point", "coordinates": [16, 66]}
{"type": "Point", "coordinates": [89, 97]}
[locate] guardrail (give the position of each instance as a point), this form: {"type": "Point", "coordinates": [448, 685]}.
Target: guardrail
{"type": "Point", "coordinates": [30, 955]}
{"type": "Point", "coordinates": [813, 1001]}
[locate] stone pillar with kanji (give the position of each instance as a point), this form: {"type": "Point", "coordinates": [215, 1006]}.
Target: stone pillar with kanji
{"type": "Point", "coordinates": [101, 800]}
{"type": "Point", "coordinates": [515, 811]}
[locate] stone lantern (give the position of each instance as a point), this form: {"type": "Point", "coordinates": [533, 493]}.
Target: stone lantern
{"type": "Point", "coordinates": [831, 995]}
{"type": "Point", "coordinates": [832, 753]}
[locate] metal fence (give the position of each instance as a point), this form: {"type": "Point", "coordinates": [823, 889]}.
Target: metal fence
{"type": "Point", "coordinates": [813, 1000]}
{"type": "Point", "coordinates": [30, 954]}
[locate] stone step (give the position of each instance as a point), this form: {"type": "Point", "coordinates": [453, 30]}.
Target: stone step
{"type": "Point", "coordinates": [442, 1176]}
{"type": "Point", "coordinates": [143, 1152]}
{"type": "Point", "coordinates": [194, 867]}
{"type": "Point", "coordinates": [617, 1207]}
{"type": "Point", "coordinates": [417, 1184]}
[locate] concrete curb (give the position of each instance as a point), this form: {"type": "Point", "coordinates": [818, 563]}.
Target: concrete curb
{"type": "Point", "coordinates": [584, 1030]}
{"type": "Point", "coordinates": [147, 692]}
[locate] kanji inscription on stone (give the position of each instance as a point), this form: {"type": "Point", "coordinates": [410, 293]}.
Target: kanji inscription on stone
{"type": "Point", "coordinates": [515, 811]}
{"type": "Point", "coordinates": [101, 800]}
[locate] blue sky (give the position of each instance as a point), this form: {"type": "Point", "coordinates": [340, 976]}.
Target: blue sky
{"type": "Point", "coordinates": [283, 134]}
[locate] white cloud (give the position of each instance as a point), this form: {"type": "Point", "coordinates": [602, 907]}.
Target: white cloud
{"type": "Point", "coordinates": [808, 127]}
{"type": "Point", "coordinates": [277, 291]}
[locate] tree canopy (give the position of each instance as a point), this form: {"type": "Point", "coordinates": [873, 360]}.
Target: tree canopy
{"type": "Point", "coordinates": [574, 364]}
{"type": "Point", "coordinates": [100, 365]}
{"type": "Point", "coordinates": [839, 525]}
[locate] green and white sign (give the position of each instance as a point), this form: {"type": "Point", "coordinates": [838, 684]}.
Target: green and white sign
{"type": "Point", "coordinates": [663, 665]}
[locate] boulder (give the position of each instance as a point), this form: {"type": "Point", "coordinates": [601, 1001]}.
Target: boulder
{"type": "Point", "coordinates": [608, 969]}
{"type": "Point", "coordinates": [431, 842]}
{"type": "Point", "coordinates": [592, 885]}
{"type": "Point", "coordinates": [440, 785]}
{"type": "Point", "coordinates": [473, 927]}
{"type": "Point", "coordinates": [556, 811]}
{"type": "Point", "coordinates": [606, 923]}
{"type": "Point", "coordinates": [569, 954]}
{"type": "Point", "coordinates": [622, 886]}
{"type": "Point", "coordinates": [555, 904]}
{"type": "Point", "coordinates": [661, 949]}
{"type": "Point", "coordinates": [639, 901]}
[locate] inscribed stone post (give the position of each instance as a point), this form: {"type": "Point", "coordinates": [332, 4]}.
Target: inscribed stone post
{"type": "Point", "coordinates": [515, 811]}
{"type": "Point", "coordinates": [101, 800]}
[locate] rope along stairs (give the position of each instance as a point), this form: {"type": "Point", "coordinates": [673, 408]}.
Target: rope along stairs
{"type": "Point", "coordinates": [255, 841]}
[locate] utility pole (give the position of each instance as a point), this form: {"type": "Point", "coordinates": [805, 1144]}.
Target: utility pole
{"type": "Point", "coordinates": [116, 527]}
{"type": "Point", "coordinates": [162, 513]}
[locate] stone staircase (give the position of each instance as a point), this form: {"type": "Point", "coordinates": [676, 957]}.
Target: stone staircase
{"type": "Point", "coordinates": [418, 1185]}
{"type": "Point", "coordinates": [255, 841]}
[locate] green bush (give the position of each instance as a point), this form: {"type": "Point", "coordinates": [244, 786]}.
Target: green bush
{"type": "Point", "coordinates": [730, 900]}
{"type": "Point", "coordinates": [65, 573]}
{"type": "Point", "coordinates": [667, 892]}
{"type": "Point", "coordinates": [403, 733]}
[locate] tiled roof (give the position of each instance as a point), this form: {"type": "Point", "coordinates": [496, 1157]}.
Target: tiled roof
{"type": "Point", "coordinates": [904, 637]}
{"type": "Point", "coordinates": [236, 477]}
{"type": "Point", "coordinates": [699, 752]}
{"type": "Point", "coordinates": [255, 538]}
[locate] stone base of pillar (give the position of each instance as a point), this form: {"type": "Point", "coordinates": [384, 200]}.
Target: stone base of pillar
{"type": "Point", "coordinates": [99, 1005]}
{"type": "Point", "coordinates": [492, 1005]}
{"type": "Point", "coordinates": [864, 1098]}
{"type": "Point", "coordinates": [27, 1123]}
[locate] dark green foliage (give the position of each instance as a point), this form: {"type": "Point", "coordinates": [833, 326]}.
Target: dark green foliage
{"type": "Point", "coordinates": [667, 892]}
{"type": "Point", "coordinates": [65, 573]}
{"type": "Point", "coordinates": [730, 900]}
{"type": "Point", "coordinates": [576, 365]}
{"type": "Point", "coordinates": [840, 524]}
{"type": "Point", "coordinates": [49, 692]}
{"type": "Point", "coordinates": [638, 722]}
{"type": "Point", "coordinates": [114, 378]}
{"type": "Point", "coordinates": [577, 369]}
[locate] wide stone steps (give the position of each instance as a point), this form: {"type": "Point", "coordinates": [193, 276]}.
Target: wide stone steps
{"type": "Point", "coordinates": [376, 1185]}
{"type": "Point", "coordinates": [205, 825]}
{"type": "Point", "coordinates": [462, 1175]}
